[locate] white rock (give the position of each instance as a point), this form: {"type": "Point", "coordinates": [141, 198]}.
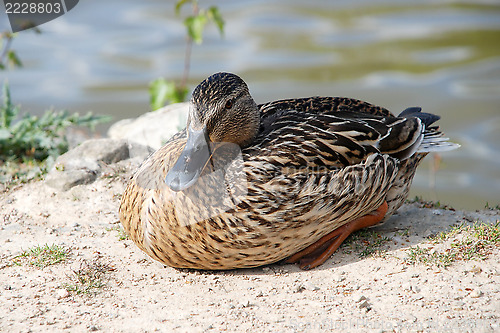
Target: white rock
{"type": "Point", "coordinates": [338, 278]}
{"type": "Point", "coordinates": [62, 293]}
{"type": "Point", "coordinates": [244, 304]}
{"type": "Point", "coordinates": [310, 286]}
{"type": "Point", "coordinates": [476, 293]}
{"type": "Point", "coordinates": [299, 288]}
{"type": "Point", "coordinates": [152, 128]}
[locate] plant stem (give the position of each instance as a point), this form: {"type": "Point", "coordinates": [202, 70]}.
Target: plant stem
{"type": "Point", "coordinates": [8, 41]}
{"type": "Point", "coordinates": [187, 55]}
{"type": "Point", "coordinates": [187, 60]}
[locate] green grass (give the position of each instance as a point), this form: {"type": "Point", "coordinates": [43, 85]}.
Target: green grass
{"type": "Point", "coordinates": [121, 234]}
{"type": "Point", "coordinates": [429, 204]}
{"type": "Point", "coordinates": [496, 207]}
{"type": "Point", "coordinates": [462, 243]}
{"type": "Point", "coordinates": [89, 278]}
{"type": "Point", "coordinates": [42, 256]}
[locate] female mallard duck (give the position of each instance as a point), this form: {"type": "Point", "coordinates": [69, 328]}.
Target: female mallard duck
{"type": "Point", "coordinates": [247, 185]}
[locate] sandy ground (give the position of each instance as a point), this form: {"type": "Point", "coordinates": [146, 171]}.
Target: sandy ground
{"type": "Point", "coordinates": [377, 293]}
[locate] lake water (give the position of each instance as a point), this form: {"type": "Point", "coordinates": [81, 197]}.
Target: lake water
{"type": "Point", "coordinates": [441, 55]}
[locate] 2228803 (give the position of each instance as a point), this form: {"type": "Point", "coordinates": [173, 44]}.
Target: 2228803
{"type": "Point", "coordinates": [32, 8]}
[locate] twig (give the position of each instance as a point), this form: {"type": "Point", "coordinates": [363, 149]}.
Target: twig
{"type": "Point", "coordinates": [187, 56]}
{"type": "Point", "coordinates": [5, 51]}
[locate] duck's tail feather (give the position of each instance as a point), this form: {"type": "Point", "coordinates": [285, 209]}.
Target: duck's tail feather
{"type": "Point", "coordinates": [427, 118]}
{"type": "Point", "coordinates": [433, 140]}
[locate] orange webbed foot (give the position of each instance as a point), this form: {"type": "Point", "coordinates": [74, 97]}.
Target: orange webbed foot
{"type": "Point", "coordinates": [318, 252]}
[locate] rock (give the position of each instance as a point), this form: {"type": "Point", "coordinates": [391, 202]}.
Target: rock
{"type": "Point", "coordinates": [62, 293]}
{"type": "Point", "coordinates": [139, 151]}
{"type": "Point", "coordinates": [83, 164]}
{"type": "Point", "coordinates": [364, 305]}
{"type": "Point", "coordinates": [476, 293]}
{"type": "Point", "coordinates": [152, 128]}
{"type": "Point", "coordinates": [360, 299]}
{"type": "Point", "coordinates": [476, 270]}
{"type": "Point", "coordinates": [96, 150]}
{"type": "Point", "coordinates": [68, 179]}
{"type": "Point", "coordinates": [245, 304]}
{"type": "Point", "coordinates": [267, 270]}
{"type": "Point", "coordinates": [310, 286]}
{"type": "Point", "coordinates": [305, 286]}
{"type": "Point", "coordinates": [338, 277]}
{"type": "Point", "coordinates": [299, 288]}
{"type": "Point", "coordinates": [411, 287]}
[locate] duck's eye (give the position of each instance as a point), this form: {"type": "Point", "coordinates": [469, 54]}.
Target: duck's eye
{"type": "Point", "coordinates": [229, 104]}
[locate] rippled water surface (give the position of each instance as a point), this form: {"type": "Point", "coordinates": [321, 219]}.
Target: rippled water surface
{"type": "Point", "coordinates": [441, 55]}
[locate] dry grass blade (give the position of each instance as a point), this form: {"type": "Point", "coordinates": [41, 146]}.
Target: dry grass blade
{"type": "Point", "coordinates": [89, 277]}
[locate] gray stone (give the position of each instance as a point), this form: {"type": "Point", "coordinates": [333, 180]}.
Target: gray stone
{"type": "Point", "coordinates": [66, 179]}
{"type": "Point", "coordinates": [153, 128]}
{"type": "Point", "coordinates": [138, 151]}
{"type": "Point", "coordinates": [82, 164]}
{"type": "Point", "coordinates": [365, 305]}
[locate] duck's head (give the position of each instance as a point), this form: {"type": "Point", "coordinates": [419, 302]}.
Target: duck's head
{"type": "Point", "coordinates": [221, 110]}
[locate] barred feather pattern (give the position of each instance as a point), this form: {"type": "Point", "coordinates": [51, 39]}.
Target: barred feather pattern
{"type": "Point", "coordinates": [316, 164]}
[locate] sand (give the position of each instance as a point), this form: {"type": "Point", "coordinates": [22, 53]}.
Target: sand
{"type": "Point", "coordinates": [381, 292]}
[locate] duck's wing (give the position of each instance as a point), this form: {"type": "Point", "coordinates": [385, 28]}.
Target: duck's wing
{"type": "Point", "coordinates": [337, 132]}
{"type": "Point", "coordinates": [318, 105]}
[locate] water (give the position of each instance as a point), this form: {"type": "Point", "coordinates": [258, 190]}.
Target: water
{"type": "Point", "coordinates": [443, 56]}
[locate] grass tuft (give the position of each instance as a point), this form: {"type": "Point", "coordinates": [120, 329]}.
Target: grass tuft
{"type": "Point", "coordinates": [462, 243]}
{"type": "Point", "coordinates": [89, 278]}
{"type": "Point", "coordinates": [121, 234]}
{"type": "Point", "coordinates": [42, 256]}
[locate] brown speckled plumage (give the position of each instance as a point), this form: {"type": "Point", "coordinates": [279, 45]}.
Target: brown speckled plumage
{"type": "Point", "coordinates": [310, 166]}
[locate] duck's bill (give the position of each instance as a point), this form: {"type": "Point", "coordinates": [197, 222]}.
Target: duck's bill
{"type": "Point", "coordinates": [190, 164]}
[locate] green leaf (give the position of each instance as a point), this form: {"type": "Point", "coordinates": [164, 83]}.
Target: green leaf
{"type": "Point", "coordinates": [161, 91]}
{"type": "Point", "coordinates": [14, 59]}
{"type": "Point", "coordinates": [158, 90]}
{"type": "Point", "coordinates": [214, 14]}
{"type": "Point", "coordinates": [195, 25]}
{"type": "Point", "coordinates": [8, 112]}
{"type": "Point", "coordinates": [179, 5]}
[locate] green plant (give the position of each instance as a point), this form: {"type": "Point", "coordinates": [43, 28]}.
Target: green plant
{"type": "Point", "coordinates": [161, 90]}
{"type": "Point", "coordinates": [29, 144]}
{"type": "Point", "coordinates": [461, 243]}
{"type": "Point", "coordinates": [496, 207]}
{"type": "Point", "coordinates": [8, 57]}
{"type": "Point", "coordinates": [37, 137]}
{"type": "Point", "coordinates": [42, 256]}
{"type": "Point", "coordinates": [121, 234]}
